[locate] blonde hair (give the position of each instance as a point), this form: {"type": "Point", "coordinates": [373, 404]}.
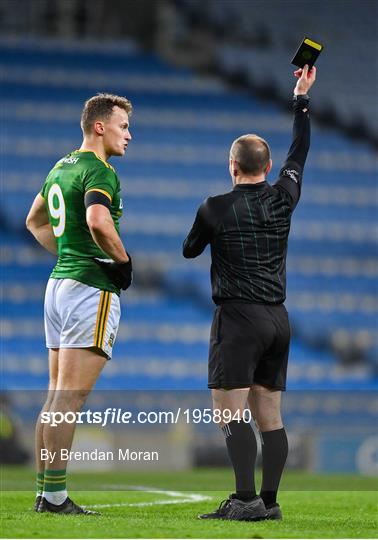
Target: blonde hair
{"type": "Point", "coordinates": [100, 107]}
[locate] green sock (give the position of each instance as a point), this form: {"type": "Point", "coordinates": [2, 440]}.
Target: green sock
{"type": "Point", "coordinates": [55, 480]}
{"type": "Point", "coordinates": [40, 481]}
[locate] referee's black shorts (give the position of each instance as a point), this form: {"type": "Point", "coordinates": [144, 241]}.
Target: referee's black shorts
{"type": "Point", "coordinates": [249, 343]}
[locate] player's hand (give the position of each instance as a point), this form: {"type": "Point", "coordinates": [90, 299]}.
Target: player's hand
{"type": "Point", "coordinates": [121, 274]}
{"type": "Point", "coordinates": [306, 78]}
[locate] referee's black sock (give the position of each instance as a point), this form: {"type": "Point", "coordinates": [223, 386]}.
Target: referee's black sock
{"type": "Point", "coordinates": [274, 453]}
{"type": "Point", "coordinates": [242, 450]}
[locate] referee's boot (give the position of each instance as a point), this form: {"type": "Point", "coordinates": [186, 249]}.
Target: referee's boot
{"type": "Point", "coordinates": [274, 511]}
{"type": "Point", "coordinates": [68, 507]}
{"type": "Point", "coordinates": [237, 510]}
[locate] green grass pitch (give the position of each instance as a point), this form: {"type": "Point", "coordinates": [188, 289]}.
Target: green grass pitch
{"type": "Point", "coordinates": [314, 506]}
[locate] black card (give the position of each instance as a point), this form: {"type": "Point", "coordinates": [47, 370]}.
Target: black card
{"type": "Point", "coordinates": [307, 53]}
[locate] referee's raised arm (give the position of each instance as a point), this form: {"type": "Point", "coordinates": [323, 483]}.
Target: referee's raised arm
{"type": "Point", "coordinates": [290, 176]}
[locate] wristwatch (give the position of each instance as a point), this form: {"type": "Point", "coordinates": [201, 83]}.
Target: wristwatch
{"type": "Point", "coordinates": [297, 97]}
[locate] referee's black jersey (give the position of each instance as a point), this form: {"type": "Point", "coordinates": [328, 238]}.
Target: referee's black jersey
{"type": "Point", "coordinates": [248, 228]}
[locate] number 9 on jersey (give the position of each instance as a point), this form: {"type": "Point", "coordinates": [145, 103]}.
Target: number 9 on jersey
{"type": "Point", "coordinates": [57, 212]}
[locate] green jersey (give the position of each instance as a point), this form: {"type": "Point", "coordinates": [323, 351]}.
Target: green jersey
{"type": "Point", "coordinates": [64, 189]}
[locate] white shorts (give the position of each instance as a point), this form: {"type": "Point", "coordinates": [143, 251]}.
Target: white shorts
{"type": "Point", "coordinates": [80, 316]}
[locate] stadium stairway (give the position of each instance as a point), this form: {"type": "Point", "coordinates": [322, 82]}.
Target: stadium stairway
{"type": "Point", "coordinates": [182, 127]}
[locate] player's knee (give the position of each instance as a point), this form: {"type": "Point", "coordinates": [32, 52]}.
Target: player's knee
{"type": "Point", "coordinates": [78, 398]}
{"type": "Point", "coordinates": [49, 398]}
{"type": "Point", "coordinates": [69, 400]}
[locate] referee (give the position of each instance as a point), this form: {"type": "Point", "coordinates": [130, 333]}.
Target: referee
{"type": "Point", "coordinates": [248, 231]}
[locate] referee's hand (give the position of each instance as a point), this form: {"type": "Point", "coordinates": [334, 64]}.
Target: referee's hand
{"type": "Point", "coordinates": [306, 79]}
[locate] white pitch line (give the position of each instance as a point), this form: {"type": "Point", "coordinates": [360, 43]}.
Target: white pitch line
{"type": "Point", "coordinates": [152, 503]}
{"type": "Point", "coordinates": [165, 492]}
{"type": "Point", "coordinates": [183, 498]}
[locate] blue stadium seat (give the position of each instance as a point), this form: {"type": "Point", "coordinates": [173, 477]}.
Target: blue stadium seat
{"type": "Point", "coordinates": [182, 128]}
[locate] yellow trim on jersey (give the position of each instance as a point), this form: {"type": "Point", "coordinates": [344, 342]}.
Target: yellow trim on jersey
{"type": "Point", "coordinates": [313, 44]}
{"type": "Point", "coordinates": [100, 191]}
{"type": "Point", "coordinates": [98, 157]}
{"type": "Point", "coordinates": [99, 312]}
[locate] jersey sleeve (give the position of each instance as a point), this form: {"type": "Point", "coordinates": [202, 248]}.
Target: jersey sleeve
{"type": "Point", "coordinates": [43, 191]}
{"type": "Point", "coordinates": [290, 179]}
{"type": "Point", "coordinates": [201, 232]}
{"type": "Point", "coordinates": [45, 187]}
{"type": "Point", "coordinates": [101, 180]}
{"type": "Point", "coordinates": [291, 173]}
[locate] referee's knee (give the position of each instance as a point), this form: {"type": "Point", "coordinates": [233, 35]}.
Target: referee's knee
{"type": "Point", "coordinates": [269, 423]}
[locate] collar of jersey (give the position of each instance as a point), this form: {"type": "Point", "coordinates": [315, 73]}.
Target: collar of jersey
{"type": "Point", "coordinates": [251, 187]}
{"type": "Point", "coordinates": [97, 156]}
